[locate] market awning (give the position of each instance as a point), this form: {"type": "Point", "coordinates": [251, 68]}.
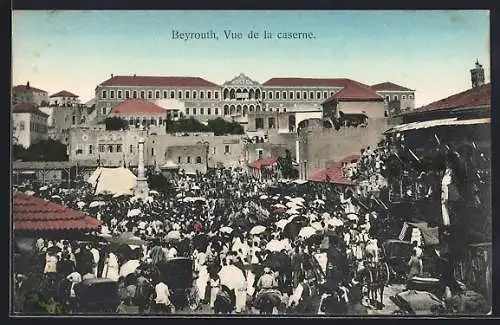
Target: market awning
{"type": "Point", "coordinates": [31, 213]}
{"type": "Point", "coordinates": [350, 159]}
{"type": "Point", "coordinates": [435, 123]}
{"type": "Point", "coordinates": [332, 175]}
{"type": "Point", "coordinates": [263, 162]}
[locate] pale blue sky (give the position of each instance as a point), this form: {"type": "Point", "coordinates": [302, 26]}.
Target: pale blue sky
{"type": "Point", "coordinates": [430, 51]}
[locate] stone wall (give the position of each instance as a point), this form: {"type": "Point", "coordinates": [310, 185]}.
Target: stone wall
{"type": "Point", "coordinates": [190, 158]}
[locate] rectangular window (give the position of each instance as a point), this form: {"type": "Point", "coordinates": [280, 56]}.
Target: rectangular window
{"type": "Point", "coordinates": [73, 119]}
{"type": "Point", "coordinates": [131, 148]}
{"type": "Point", "coordinates": [214, 150]}
{"type": "Point", "coordinates": [318, 95]}
{"type": "Point", "coordinates": [150, 94]}
{"type": "Point", "coordinates": [120, 94]}
{"type": "Point", "coordinates": [90, 149]}
{"type": "Point", "coordinates": [112, 94]}
{"type": "Point", "coordinates": [388, 98]}
{"type": "Point", "coordinates": [135, 93]}
{"type": "Point", "coordinates": [179, 159]}
{"type": "Point", "coordinates": [157, 94]}
{"type": "Point", "coordinates": [165, 94]}
{"type": "Point", "coordinates": [216, 95]}
{"type": "Point", "coordinates": [188, 160]}
{"type": "Point", "coordinates": [332, 93]}
{"type": "Point", "coordinates": [172, 94]}
{"type": "Point", "coordinates": [270, 95]}
{"type": "Point", "coordinates": [194, 110]}
{"type": "Point", "coordinates": [298, 95]}
{"type": "Point", "coordinates": [271, 122]}
{"type": "Point", "coordinates": [209, 94]}
{"type": "Point", "coordinates": [143, 94]}
{"type": "Point", "coordinates": [179, 95]}
{"type": "Point", "coordinates": [403, 97]}
{"type": "Point", "coordinates": [311, 95]}
{"type": "Point", "coordinates": [118, 148]}
{"type": "Point", "coordinates": [209, 111]}
{"type": "Point", "coordinates": [291, 95]}
{"type": "Point", "coordinates": [216, 111]}
{"type": "Point", "coordinates": [21, 125]}
{"type": "Point", "coordinates": [260, 153]}
{"type": "Point", "coordinates": [187, 94]}
{"type": "Point", "coordinates": [325, 95]}
{"type": "Point", "coordinates": [187, 110]}
{"type": "Point", "coordinates": [104, 111]}
{"type": "Point", "coordinates": [101, 148]}
{"type": "Point", "coordinates": [304, 95]}
{"type": "Point", "coordinates": [263, 95]}
{"type": "Point", "coordinates": [202, 95]}
{"type": "Point", "coordinates": [152, 151]}
{"type": "Point", "coordinates": [104, 95]}
{"type": "Point", "coordinates": [259, 123]}
{"type": "Point", "coordinates": [277, 95]}
{"type": "Point", "coordinates": [202, 111]}
{"type": "Point", "coordinates": [226, 148]}
{"type": "Point", "coordinates": [110, 148]}
{"type": "Point", "coordinates": [194, 94]}
{"type": "Point", "coordinates": [284, 95]}
{"type": "Point", "coordinates": [395, 97]}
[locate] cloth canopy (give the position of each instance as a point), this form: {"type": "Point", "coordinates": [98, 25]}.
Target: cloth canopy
{"type": "Point", "coordinates": [263, 162]}
{"type": "Point", "coordinates": [333, 175]}
{"type": "Point", "coordinates": [31, 213]}
{"type": "Point", "coordinates": [113, 181]}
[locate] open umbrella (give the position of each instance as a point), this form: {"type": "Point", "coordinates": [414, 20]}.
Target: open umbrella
{"type": "Point", "coordinates": [226, 230]}
{"type": "Point", "coordinates": [133, 212]}
{"type": "Point", "coordinates": [173, 235]}
{"type": "Point", "coordinates": [307, 232]}
{"type": "Point", "coordinates": [154, 192]}
{"type": "Point", "coordinates": [29, 193]}
{"type": "Point", "coordinates": [335, 222]}
{"type": "Point", "coordinates": [80, 204]}
{"type": "Point", "coordinates": [292, 212]}
{"type": "Point", "coordinates": [196, 187]}
{"type": "Point", "coordinates": [352, 216]}
{"type": "Point", "coordinates": [257, 230]}
{"type": "Point", "coordinates": [55, 197]}
{"type": "Point", "coordinates": [96, 204]}
{"type": "Point", "coordinates": [275, 246]}
{"type": "Point", "coordinates": [129, 267]}
{"type": "Point", "coordinates": [232, 277]}
{"type": "Point", "coordinates": [282, 223]}
{"type": "Point", "coordinates": [291, 205]}
{"type": "Point", "coordinates": [317, 225]}
{"type": "Point", "coordinates": [263, 197]}
{"type": "Point", "coordinates": [279, 205]}
{"type": "Point", "coordinates": [43, 188]}
{"type": "Point", "coordinates": [319, 201]}
{"type": "Point", "coordinates": [127, 238]}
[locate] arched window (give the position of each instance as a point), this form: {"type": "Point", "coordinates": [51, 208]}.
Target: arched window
{"type": "Point", "coordinates": [304, 95]}
{"type": "Point", "coordinates": [198, 160]}
{"type": "Point", "coordinates": [270, 95]}
{"type": "Point", "coordinates": [187, 94]}
{"type": "Point", "coordinates": [318, 95]}
{"type": "Point", "coordinates": [277, 95]}
{"type": "Point", "coordinates": [291, 95]}
{"type": "Point", "coordinates": [283, 95]}
{"type": "Point", "coordinates": [172, 94]}
{"type": "Point", "coordinates": [194, 94]}
{"type": "Point", "coordinates": [135, 94]}
{"type": "Point", "coordinates": [202, 111]}
{"type": "Point", "coordinates": [179, 94]}
{"type": "Point", "coordinates": [157, 94]}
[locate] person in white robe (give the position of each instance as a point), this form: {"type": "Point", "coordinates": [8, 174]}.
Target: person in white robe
{"type": "Point", "coordinates": [111, 268]}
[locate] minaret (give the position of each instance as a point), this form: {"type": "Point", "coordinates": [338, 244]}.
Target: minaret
{"type": "Point", "coordinates": [141, 188]}
{"type": "Point", "coordinates": [477, 75]}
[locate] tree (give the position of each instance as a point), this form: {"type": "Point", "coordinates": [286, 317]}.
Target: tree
{"type": "Point", "coordinates": [47, 150]}
{"type": "Point", "coordinates": [219, 126]}
{"type": "Point", "coordinates": [160, 183]}
{"type": "Point", "coordinates": [115, 123]}
{"type": "Point", "coordinates": [186, 125]}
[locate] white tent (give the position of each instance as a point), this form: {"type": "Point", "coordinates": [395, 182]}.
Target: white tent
{"type": "Point", "coordinates": [113, 180]}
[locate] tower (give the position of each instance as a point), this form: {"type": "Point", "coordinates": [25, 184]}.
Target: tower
{"type": "Point", "coordinates": [477, 75]}
{"type": "Point", "coordinates": [141, 187]}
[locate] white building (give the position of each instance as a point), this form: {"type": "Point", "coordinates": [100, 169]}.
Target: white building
{"type": "Point", "coordinates": [64, 98]}
{"type": "Point", "coordinates": [29, 124]}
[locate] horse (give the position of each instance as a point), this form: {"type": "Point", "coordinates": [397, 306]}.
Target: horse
{"type": "Point", "coordinates": [225, 301]}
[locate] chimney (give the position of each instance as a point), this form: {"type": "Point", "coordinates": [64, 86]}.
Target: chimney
{"type": "Point", "coordinates": [477, 75]}
{"type": "Point", "coordinates": [111, 75]}
{"type": "Point", "coordinates": [28, 85]}
{"type": "Point", "coordinates": [134, 75]}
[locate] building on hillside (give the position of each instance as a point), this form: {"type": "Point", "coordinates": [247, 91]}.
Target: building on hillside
{"type": "Point", "coordinates": [64, 98]}
{"type": "Point", "coordinates": [397, 98]}
{"type": "Point", "coordinates": [278, 103]}
{"type": "Point", "coordinates": [29, 124]}
{"type": "Point", "coordinates": [26, 94]}
{"type": "Point", "coordinates": [141, 113]}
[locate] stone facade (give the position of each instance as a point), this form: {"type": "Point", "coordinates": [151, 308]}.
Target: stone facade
{"type": "Point", "coordinates": [190, 158]}
{"type": "Point", "coordinates": [29, 127]}
{"type": "Point", "coordinates": [25, 94]}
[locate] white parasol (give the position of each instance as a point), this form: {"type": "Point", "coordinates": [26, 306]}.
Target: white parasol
{"type": "Point", "coordinates": [352, 216]}
{"type": "Point", "coordinates": [317, 225]}
{"type": "Point", "coordinates": [43, 188]}
{"type": "Point", "coordinates": [275, 246]}
{"type": "Point", "coordinates": [282, 223]}
{"type": "Point", "coordinates": [318, 201]}
{"type": "Point", "coordinates": [149, 199]}
{"type": "Point", "coordinates": [226, 229]}
{"type": "Point", "coordinates": [129, 267]}
{"type": "Point", "coordinates": [154, 192]}
{"type": "Point", "coordinates": [291, 205]}
{"type": "Point", "coordinates": [133, 212]}
{"type": "Point", "coordinates": [257, 230]}
{"type": "Point", "coordinates": [279, 205]}
{"type": "Point", "coordinates": [96, 204]}
{"type": "Point", "coordinates": [232, 277]}
{"type": "Point", "coordinates": [336, 222]}
{"type": "Point", "coordinates": [276, 197]}
{"type": "Point", "coordinates": [178, 195]}
{"type": "Point", "coordinates": [263, 197]}
{"type": "Point", "coordinates": [80, 204]}
{"type": "Point", "coordinates": [298, 199]}
{"type": "Point", "coordinates": [196, 187]}
{"type": "Point", "coordinates": [55, 197]}
{"type": "Point", "coordinates": [292, 212]}
{"type": "Point", "coordinates": [307, 232]}
{"type": "Point", "coordinates": [29, 193]}
{"type": "Point", "coordinates": [173, 235]}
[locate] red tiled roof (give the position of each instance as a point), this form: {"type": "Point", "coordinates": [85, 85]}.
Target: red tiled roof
{"type": "Point", "coordinates": [135, 106]}
{"type": "Point", "coordinates": [355, 91]}
{"type": "Point", "coordinates": [25, 89]}
{"type": "Point", "coordinates": [351, 158]}
{"type": "Point", "coordinates": [307, 82]}
{"type": "Point", "coordinates": [389, 86]}
{"type": "Point", "coordinates": [334, 175]}
{"type": "Point", "coordinates": [28, 108]}
{"type": "Point", "coordinates": [31, 214]}
{"type": "Point", "coordinates": [155, 81]}
{"type": "Point", "coordinates": [64, 93]}
{"type": "Point", "coordinates": [474, 97]}
{"type": "Point", "coordinates": [264, 162]}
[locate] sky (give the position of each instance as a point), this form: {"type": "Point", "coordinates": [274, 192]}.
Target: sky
{"type": "Point", "coordinates": [429, 51]}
